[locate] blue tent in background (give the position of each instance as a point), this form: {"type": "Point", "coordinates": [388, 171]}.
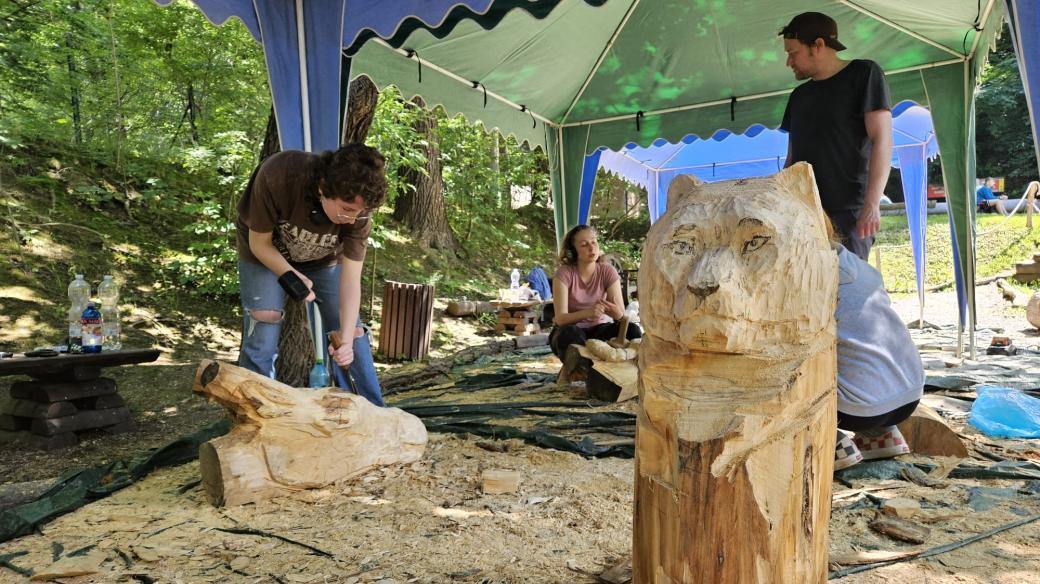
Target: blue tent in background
{"type": "Point", "coordinates": [762, 152]}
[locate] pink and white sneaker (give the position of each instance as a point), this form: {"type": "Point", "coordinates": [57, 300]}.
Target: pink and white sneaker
{"type": "Point", "coordinates": [846, 453]}
{"type": "Point", "coordinates": [886, 444]}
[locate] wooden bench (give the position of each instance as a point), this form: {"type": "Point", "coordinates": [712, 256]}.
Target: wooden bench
{"type": "Point", "coordinates": [66, 395]}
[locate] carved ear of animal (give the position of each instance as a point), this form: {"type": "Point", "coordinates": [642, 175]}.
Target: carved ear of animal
{"type": "Point", "coordinates": [799, 180]}
{"type": "Point", "coordinates": [682, 185]}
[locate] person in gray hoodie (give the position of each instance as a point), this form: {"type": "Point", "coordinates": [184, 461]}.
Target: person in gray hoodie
{"type": "Point", "coordinates": [880, 375]}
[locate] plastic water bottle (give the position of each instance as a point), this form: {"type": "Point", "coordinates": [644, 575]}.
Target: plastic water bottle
{"type": "Point", "coordinates": [108, 294]}
{"type": "Point", "coordinates": [91, 326]}
{"type": "Point", "coordinates": [75, 342]}
{"type": "Point", "coordinates": [514, 279]}
{"type": "Point", "coordinates": [79, 296]}
{"type": "Point", "coordinates": [319, 376]}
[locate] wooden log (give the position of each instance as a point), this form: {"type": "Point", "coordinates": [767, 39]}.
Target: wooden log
{"type": "Point", "coordinates": [927, 433]}
{"type": "Point", "coordinates": [735, 436]}
{"type": "Point", "coordinates": [468, 307]}
{"type": "Point", "coordinates": [101, 402]}
{"type": "Point", "coordinates": [55, 391]}
{"type": "Point", "coordinates": [900, 529]}
{"type": "Point", "coordinates": [84, 420]}
{"type": "Point", "coordinates": [32, 409]}
{"type": "Point", "coordinates": [287, 439]}
{"type": "Point", "coordinates": [575, 366]}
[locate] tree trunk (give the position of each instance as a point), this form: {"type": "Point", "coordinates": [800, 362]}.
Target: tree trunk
{"type": "Point", "coordinates": [362, 110]}
{"type": "Point", "coordinates": [287, 440]}
{"type": "Point", "coordinates": [295, 346]}
{"type": "Point", "coordinates": [70, 62]}
{"type": "Point", "coordinates": [421, 209]}
{"type": "Point", "coordinates": [735, 438]}
{"type": "Point", "coordinates": [192, 108]}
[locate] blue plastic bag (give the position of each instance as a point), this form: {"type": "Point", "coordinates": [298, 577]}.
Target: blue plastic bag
{"type": "Point", "coordinates": [1006, 413]}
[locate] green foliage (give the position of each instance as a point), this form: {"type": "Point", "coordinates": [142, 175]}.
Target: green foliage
{"type": "Point", "coordinates": [1004, 139]}
{"type": "Point", "coordinates": [210, 265]}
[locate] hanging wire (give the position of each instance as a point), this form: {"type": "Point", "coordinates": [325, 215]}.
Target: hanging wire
{"type": "Point", "coordinates": [733, 108]}
{"type": "Point", "coordinates": [477, 84]}
{"type": "Point", "coordinates": [974, 26]}
{"type": "Point", "coordinates": [639, 116]}
{"type": "Point", "coordinates": [534, 122]}
{"type": "Point", "coordinates": [412, 53]}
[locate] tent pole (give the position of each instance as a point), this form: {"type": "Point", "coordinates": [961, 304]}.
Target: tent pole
{"type": "Point", "coordinates": [301, 40]}
{"type": "Point", "coordinates": [968, 182]}
{"type": "Point", "coordinates": [563, 180]}
{"type": "Point", "coordinates": [727, 101]}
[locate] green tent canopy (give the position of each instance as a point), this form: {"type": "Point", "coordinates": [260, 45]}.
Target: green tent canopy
{"type": "Point", "coordinates": [587, 76]}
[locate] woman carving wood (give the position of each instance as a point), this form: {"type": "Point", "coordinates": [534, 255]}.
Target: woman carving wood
{"type": "Point", "coordinates": [737, 384]}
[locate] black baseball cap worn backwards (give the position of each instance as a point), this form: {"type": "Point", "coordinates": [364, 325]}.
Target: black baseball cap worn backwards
{"type": "Point", "coordinates": [809, 26]}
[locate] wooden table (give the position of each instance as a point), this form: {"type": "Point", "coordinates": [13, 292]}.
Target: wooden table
{"type": "Point", "coordinates": [519, 318]}
{"type": "Point", "coordinates": [66, 395]}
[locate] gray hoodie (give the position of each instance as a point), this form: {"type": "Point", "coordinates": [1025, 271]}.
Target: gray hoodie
{"type": "Point", "coordinates": [879, 368]}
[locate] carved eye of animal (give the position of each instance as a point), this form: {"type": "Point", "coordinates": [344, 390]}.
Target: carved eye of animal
{"type": "Point", "coordinates": [755, 243]}
{"type": "Point", "coordinates": [683, 241]}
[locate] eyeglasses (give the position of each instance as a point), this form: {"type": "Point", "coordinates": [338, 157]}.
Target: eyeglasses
{"type": "Point", "coordinates": [359, 218]}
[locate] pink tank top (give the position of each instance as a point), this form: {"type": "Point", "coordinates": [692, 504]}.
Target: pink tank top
{"type": "Point", "coordinates": [584, 295]}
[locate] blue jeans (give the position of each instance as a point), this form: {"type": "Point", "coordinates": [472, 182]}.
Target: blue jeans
{"type": "Point", "coordinates": [259, 350]}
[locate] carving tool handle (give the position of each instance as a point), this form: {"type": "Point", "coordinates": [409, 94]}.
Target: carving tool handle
{"type": "Point", "coordinates": [622, 334]}
{"type": "Point", "coordinates": [337, 340]}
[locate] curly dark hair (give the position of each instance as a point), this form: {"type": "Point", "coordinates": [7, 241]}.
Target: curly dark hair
{"type": "Point", "coordinates": [355, 170]}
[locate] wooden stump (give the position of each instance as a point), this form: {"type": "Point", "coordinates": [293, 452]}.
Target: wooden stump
{"type": "Point", "coordinates": [926, 433]}
{"type": "Point", "coordinates": [735, 438]}
{"type": "Point", "coordinates": [287, 439]}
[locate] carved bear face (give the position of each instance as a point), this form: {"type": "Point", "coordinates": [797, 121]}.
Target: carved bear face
{"type": "Point", "coordinates": [740, 267]}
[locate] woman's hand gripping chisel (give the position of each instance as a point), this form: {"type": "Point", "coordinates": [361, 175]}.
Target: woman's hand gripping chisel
{"type": "Point", "coordinates": [336, 341]}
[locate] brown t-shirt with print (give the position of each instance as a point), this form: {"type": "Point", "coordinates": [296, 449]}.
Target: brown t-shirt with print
{"type": "Point", "coordinates": [277, 202]}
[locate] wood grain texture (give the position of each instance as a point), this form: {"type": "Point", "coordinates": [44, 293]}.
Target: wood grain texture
{"type": "Point", "coordinates": [288, 439]}
{"type": "Point", "coordinates": [735, 438]}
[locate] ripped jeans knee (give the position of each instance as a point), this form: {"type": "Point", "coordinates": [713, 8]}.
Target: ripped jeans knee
{"type": "Point", "coordinates": [255, 317]}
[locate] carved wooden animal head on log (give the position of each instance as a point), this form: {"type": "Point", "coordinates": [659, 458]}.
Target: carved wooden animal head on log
{"type": "Point", "coordinates": [740, 267]}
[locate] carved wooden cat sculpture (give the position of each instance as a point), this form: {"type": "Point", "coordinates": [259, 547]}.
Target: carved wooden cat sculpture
{"type": "Point", "coordinates": [734, 445]}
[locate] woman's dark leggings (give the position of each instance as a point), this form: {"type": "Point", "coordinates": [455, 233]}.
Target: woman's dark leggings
{"type": "Point", "coordinates": [564, 336]}
{"type": "Point", "coordinates": [860, 424]}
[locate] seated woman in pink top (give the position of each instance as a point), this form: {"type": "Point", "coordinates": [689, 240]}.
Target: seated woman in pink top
{"type": "Point", "coordinates": [586, 294]}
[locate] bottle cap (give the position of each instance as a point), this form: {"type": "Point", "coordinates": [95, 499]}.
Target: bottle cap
{"type": "Point", "coordinates": [108, 277]}
{"type": "Point", "coordinates": [79, 276]}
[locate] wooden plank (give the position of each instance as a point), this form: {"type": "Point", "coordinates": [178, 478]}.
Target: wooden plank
{"type": "Point", "coordinates": [80, 421]}
{"type": "Point", "coordinates": [34, 366]}
{"type": "Point", "coordinates": [430, 319]}
{"type": "Point", "coordinates": [54, 391]}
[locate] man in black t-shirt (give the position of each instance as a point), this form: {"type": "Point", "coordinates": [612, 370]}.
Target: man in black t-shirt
{"type": "Point", "coordinates": [840, 122]}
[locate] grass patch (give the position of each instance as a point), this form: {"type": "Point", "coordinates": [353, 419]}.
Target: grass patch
{"type": "Point", "coordinates": [999, 245]}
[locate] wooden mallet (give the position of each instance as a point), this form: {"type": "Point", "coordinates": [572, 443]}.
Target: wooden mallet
{"type": "Point", "coordinates": [621, 341]}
